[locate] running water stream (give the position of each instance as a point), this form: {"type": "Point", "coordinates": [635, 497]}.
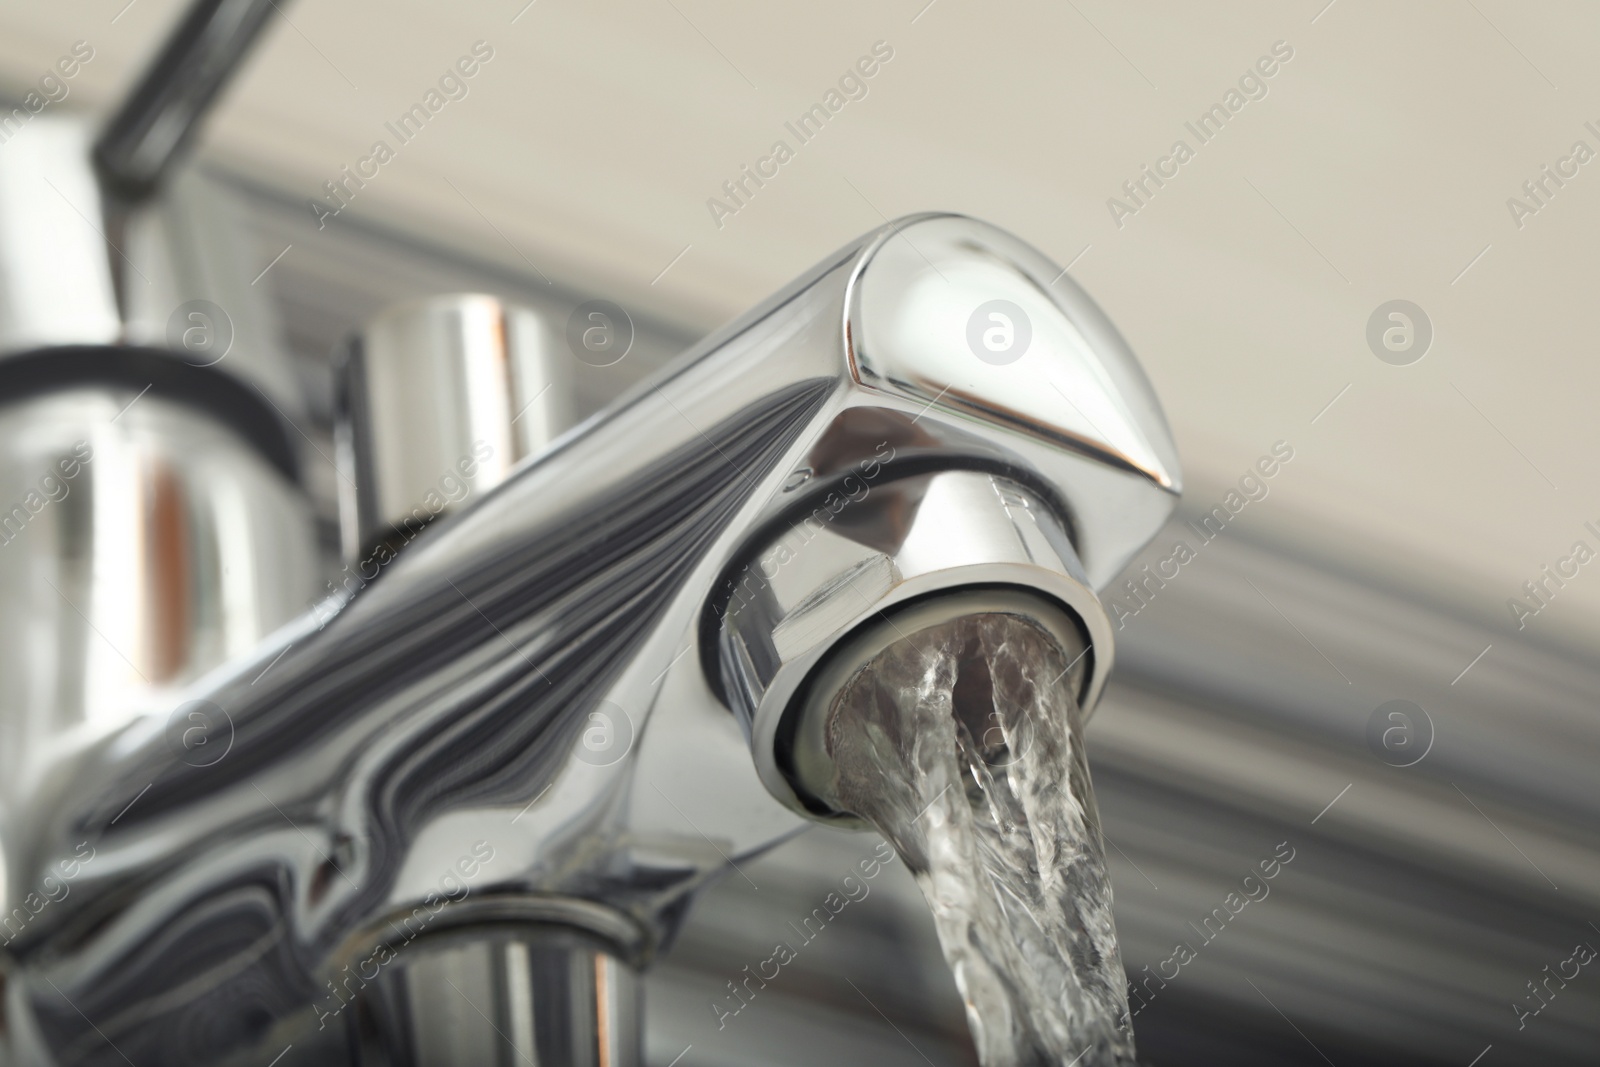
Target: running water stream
{"type": "Point", "coordinates": [963, 746]}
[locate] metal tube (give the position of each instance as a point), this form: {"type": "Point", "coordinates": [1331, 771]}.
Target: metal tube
{"type": "Point", "coordinates": [155, 124]}
{"type": "Point", "coordinates": [514, 995]}
{"type": "Point", "coordinates": [438, 401]}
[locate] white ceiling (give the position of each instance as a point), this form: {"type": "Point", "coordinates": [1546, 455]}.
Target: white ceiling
{"type": "Point", "coordinates": [1377, 167]}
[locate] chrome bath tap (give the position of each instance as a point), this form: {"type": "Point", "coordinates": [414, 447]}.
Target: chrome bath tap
{"type": "Point", "coordinates": [450, 812]}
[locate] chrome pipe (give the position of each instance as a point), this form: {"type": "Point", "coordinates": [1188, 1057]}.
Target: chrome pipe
{"type": "Point", "coordinates": [544, 712]}
{"type": "Point", "coordinates": [500, 998]}
{"type": "Point", "coordinates": [141, 543]}
{"type": "Point", "coordinates": [438, 400]}
{"type": "Point", "coordinates": [160, 116]}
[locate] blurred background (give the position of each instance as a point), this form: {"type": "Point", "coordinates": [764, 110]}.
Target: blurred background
{"type": "Point", "coordinates": [1442, 860]}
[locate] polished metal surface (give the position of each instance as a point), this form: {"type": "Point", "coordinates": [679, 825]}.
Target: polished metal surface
{"type": "Point", "coordinates": [142, 543]}
{"type": "Point", "coordinates": [56, 283]}
{"type": "Point", "coordinates": [525, 675]}
{"type": "Point", "coordinates": [878, 549]}
{"type": "Point", "coordinates": [497, 997]}
{"type": "Point", "coordinates": [439, 400]}
{"type": "Point", "coordinates": [162, 113]}
{"type": "Point", "coordinates": [987, 329]}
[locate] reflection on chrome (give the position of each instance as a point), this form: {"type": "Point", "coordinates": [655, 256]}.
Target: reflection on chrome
{"type": "Point", "coordinates": [509, 761]}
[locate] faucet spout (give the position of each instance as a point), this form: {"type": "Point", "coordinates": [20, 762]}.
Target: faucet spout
{"type": "Point", "coordinates": [542, 710]}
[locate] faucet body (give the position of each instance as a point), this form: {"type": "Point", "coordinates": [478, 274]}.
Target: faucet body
{"type": "Point", "coordinates": [555, 710]}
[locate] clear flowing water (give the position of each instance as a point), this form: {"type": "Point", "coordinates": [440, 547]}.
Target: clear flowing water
{"type": "Point", "coordinates": [963, 746]}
